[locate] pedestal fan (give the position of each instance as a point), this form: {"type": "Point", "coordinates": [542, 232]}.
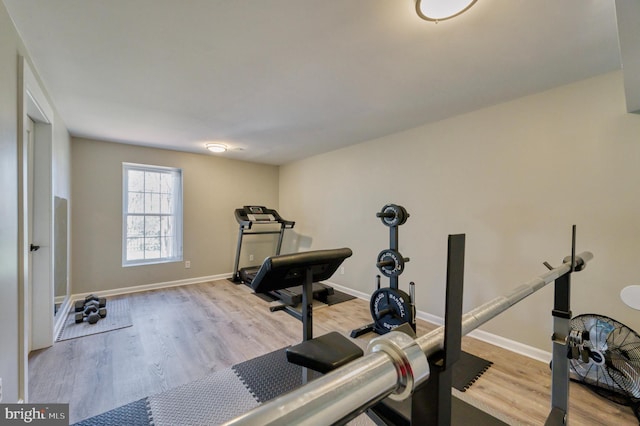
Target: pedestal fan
{"type": "Point", "coordinates": [609, 361]}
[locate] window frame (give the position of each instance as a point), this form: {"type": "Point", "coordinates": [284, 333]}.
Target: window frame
{"type": "Point", "coordinates": [177, 213]}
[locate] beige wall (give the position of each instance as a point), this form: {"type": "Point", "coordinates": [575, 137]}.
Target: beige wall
{"type": "Point", "coordinates": [514, 177]}
{"type": "Point", "coordinates": [213, 188]}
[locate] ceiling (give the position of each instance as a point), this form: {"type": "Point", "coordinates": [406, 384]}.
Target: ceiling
{"type": "Point", "coordinates": [280, 80]}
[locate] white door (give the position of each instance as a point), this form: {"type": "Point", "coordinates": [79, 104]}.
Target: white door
{"type": "Point", "coordinates": [35, 290]}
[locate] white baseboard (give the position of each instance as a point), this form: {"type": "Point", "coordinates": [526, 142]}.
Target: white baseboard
{"type": "Point", "coordinates": [148, 287]}
{"type": "Point", "coordinates": [61, 317]}
{"type": "Point", "coordinates": [502, 342]}
{"type": "Point", "coordinates": [512, 345]}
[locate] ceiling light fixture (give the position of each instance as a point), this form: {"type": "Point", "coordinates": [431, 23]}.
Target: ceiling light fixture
{"type": "Point", "coordinates": [439, 10]}
{"type": "Point", "coordinates": [216, 147]}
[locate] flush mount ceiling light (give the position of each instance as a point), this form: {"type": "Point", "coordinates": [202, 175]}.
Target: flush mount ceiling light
{"type": "Point", "coordinates": [216, 147]}
{"type": "Point", "coordinates": [439, 10]}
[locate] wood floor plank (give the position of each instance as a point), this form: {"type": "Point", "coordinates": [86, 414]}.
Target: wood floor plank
{"type": "Point", "coordinates": [180, 334]}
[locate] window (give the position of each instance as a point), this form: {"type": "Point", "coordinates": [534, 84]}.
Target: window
{"type": "Point", "coordinates": [151, 214]}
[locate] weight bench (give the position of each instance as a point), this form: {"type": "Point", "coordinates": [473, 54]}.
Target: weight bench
{"type": "Point", "coordinates": [323, 353]}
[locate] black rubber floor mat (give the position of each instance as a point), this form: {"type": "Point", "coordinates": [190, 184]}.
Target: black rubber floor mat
{"type": "Point", "coordinates": [467, 370]}
{"type": "Point", "coordinates": [270, 375]}
{"type": "Point", "coordinates": [338, 297]}
{"type": "Point", "coordinates": [133, 414]}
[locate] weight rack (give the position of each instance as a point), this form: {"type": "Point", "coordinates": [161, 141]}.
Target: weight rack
{"type": "Point", "coordinates": [390, 307]}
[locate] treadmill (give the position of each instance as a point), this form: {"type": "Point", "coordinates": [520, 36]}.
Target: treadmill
{"type": "Point", "coordinates": [247, 217]}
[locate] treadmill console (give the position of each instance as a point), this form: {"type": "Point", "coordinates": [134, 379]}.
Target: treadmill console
{"type": "Point", "coordinates": [258, 214]}
{"type": "Point", "coordinates": [249, 215]}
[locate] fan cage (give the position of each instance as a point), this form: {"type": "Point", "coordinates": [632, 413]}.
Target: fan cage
{"type": "Point", "coordinates": [613, 370]}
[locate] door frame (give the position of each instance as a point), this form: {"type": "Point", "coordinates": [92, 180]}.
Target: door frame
{"type": "Point", "coordinates": [35, 306]}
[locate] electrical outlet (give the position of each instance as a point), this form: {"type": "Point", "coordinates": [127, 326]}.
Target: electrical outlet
{"type": "Point", "coordinates": [342, 270]}
{"type": "Point", "coordinates": [187, 264]}
{"type": "Point", "coordinates": [250, 258]}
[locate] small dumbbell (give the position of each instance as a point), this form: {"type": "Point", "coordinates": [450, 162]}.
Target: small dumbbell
{"type": "Point", "coordinates": [92, 303]}
{"type": "Point", "coordinates": [93, 317]}
{"type": "Point", "coordinates": [101, 300]}
{"type": "Point", "coordinates": [92, 313]}
{"type": "Point", "coordinates": [81, 315]}
{"type": "Point", "coordinates": [81, 304]}
{"type": "Point", "coordinates": [91, 309]}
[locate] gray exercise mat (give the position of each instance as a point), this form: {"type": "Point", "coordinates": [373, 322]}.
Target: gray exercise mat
{"type": "Point", "coordinates": [270, 375]}
{"type": "Point", "coordinates": [215, 398]}
{"type": "Point", "coordinates": [212, 400]}
{"type": "Point", "coordinates": [118, 316]}
{"type": "Point", "coordinates": [136, 413]}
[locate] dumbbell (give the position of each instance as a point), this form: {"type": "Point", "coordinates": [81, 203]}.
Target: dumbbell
{"type": "Point", "coordinates": [101, 300]}
{"type": "Point", "coordinates": [91, 315]}
{"type": "Point", "coordinates": [92, 303]}
{"type": "Point", "coordinates": [93, 307]}
{"type": "Point", "coordinates": [80, 304]}
{"type": "Point", "coordinates": [92, 312]}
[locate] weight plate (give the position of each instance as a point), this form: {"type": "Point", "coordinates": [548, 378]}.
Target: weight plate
{"type": "Point", "coordinates": [393, 215]}
{"type": "Point", "coordinates": [404, 215]}
{"type": "Point", "coordinates": [390, 308]}
{"type": "Point", "coordinates": [390, 263]}
{"type": "Point", "coordinates": [389, 215]}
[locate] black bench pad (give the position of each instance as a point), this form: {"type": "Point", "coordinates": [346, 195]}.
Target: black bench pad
{"type": "Point", "coordinates": [324, 353]}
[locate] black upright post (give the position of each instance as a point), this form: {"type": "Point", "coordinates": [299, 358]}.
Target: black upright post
{"type": "Point", "coordinates": [561, 328]}
{"type": "Point", "coordinates": [559, 361]}
{"type": "Point", "coordinates": [455, 287]}
{"type": "Point", "coordinates": [307, 306]}
{"type": "Point", "coordinates": [431, 403]}
{"type": "Point", "coordinates": [393, 245]}
{"type": "Point", "coordinates": [393, 237]}
{"type": "Point", "coordinates": [307, 317]}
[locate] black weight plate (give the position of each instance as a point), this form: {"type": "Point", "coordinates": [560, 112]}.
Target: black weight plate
{"type": "Point", "coordinates": [390, 308]}
{"type": "Point", "coordinates": [396, 266]}
{"type": "Point", "coordinates": [404, 215]}
{"type": "Point", "coordinates": [395, 211]}
{"type": "Point", "coordinates": [393, 215]}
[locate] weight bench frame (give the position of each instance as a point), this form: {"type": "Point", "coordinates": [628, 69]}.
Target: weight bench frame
{"type": "Point", "coordinates": [304, 268]}
{"type": "Point", "coordinates": [326, 352]}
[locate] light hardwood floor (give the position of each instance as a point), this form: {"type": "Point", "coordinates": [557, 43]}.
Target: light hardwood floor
{"type": "Point", "coordinates": [180, 334]}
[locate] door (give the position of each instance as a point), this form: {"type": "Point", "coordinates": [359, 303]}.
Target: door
{"type": "Point", "coordinates": [35, 226]}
